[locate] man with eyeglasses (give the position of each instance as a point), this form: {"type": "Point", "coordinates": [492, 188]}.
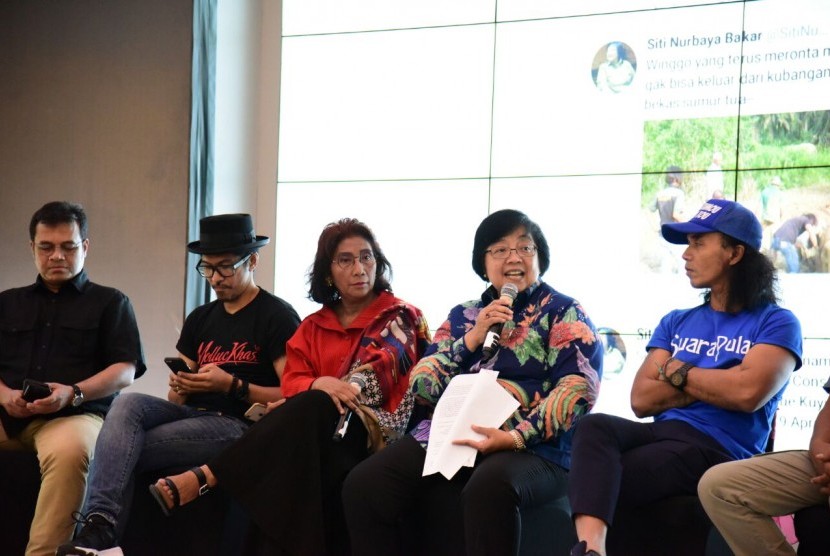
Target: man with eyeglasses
{"type": "Point", "coordinates": [80, 342]}
{"type": "Point", "coordinates": [234, 349]}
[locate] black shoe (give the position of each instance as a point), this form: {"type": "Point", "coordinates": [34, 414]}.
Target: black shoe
{"type": "Point", "coordinates": [96, 534]}
{"type": "Point", "coordinates": [580, 549]}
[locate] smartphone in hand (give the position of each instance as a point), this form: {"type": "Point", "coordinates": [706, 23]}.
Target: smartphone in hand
{"type": "Point", "coordinates": [35, 390]}
{"type": "Point", "coordinates": [255, 412]}
{"type": "Point", "coordinates": [178, 365]}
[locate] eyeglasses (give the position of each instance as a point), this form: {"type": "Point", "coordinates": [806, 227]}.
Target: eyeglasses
{"type": "Point", "coordinates": [224, 270]}
{"type": "Point", "coordinates": [525, 250]}
{"type": "Point", "coordinates": [346, 260]}
{"type": "Point", "coordinates": [48, 249]}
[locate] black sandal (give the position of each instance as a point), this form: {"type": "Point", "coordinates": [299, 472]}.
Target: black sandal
{"type": "Point", "coordinates": [174, 491]}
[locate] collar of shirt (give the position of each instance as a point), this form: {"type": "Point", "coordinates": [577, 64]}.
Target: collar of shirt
{"type": "Point", "coordinates": [80, 282]}
{"type": "Point", "coordinates": [491, 294]}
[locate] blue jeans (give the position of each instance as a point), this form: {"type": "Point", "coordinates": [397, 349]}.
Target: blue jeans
{"type": "Point", "coordinates": [143, 433]}
{"type": "Point", "coordinates": [790, 254]}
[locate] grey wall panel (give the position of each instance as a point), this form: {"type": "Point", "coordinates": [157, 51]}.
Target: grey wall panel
{"type": "Point", "coordinates": [94, 108]}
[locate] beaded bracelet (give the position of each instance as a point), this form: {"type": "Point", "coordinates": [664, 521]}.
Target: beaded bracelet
{"type": "Point", "coordinates": [518, 441]}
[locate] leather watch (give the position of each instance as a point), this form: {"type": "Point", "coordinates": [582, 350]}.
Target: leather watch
{"type": "Point", "coordinates": [680, 376]}
{"type": "Point", "coordinates": [79, 396]}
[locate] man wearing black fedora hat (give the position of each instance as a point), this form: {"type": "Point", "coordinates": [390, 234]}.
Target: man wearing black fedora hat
{"type": "Point", "coordinates": [234, 349]}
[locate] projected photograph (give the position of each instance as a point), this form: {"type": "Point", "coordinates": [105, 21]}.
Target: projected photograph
{"type": "Point", "coordinates": [781, 173]}
{"type": "Point", "coordinates": [614, 352]}
{"type": "Point", "coordinates": [614, 67]}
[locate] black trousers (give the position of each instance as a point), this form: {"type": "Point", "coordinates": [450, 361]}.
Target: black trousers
{"type": "Point", "coordinates": [617, 463]}
{"type": "Point", "coordinates": [391, 509]}
{"type": "Point", "coordinates": [286, 472]}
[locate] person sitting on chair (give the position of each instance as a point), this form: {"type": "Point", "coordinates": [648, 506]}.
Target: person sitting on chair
{"type": "Point", "coordinates": [82, 340]}
{"type": "Point", "coordinates": [742, 497]}
{"type": "Point", "coordinates": [346, 386]}
{"type": "Point", "coordinates": [234, 349]}
{"type": "Point", "coordinates": [712, 379]}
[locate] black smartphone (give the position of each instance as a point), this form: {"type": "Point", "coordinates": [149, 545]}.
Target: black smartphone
{"type": "Point", "coordinates": [178, 365]}
{"type": "Point", "coordinates": [35, 390]}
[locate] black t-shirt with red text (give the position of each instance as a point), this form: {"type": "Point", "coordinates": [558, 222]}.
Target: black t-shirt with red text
{"type": "Point", "coordinates": [244, 344]}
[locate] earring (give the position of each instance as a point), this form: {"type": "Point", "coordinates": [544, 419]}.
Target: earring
{"type": "Point", "coordinates": [329, 282]}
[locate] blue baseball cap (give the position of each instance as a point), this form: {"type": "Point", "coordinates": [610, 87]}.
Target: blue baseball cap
{"type": "Point", "coordinates": [718, 215]}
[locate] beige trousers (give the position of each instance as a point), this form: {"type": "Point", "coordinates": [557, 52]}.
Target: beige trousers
{"type": "Point", "coordinates": [64, 447]}
{"type": "Point", "coordinates": [741, 497]}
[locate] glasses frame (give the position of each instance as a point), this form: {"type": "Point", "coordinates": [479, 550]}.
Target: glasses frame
{"type": "Point", "coordinates": [532, 253]}
{"type": "Point", "coordinates": [371, 260]}
{"type": "Point", "coordinates": [200, 268]}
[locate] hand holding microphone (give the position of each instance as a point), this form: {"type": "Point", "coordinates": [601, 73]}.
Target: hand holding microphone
{"type": "Point", "coordinates": [508, 293]}
{"type": "Point", "coordinates": [343, 423]}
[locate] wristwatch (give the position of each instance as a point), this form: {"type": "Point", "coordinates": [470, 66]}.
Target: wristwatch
{"type": "Point", "coordinates": [79, 396]}
{"type": "Point", "coordinates": [679, 377]}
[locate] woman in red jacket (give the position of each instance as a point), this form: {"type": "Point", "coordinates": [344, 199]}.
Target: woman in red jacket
{"type": "Point", "coordinates": [348, 361]}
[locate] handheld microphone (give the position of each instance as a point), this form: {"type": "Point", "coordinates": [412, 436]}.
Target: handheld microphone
{"type": "Point", "coordinates": [343, 422]}
{"type": "Point", "coordinates": [509, 291]}
{"type": "Point", "coordinates": [342, 426]}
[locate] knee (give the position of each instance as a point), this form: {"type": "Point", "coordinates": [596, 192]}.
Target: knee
{"type": "Point", "coordinates": [710, 485]}
{"type": "Point", "coordinates": [314, 403]}
{"type": "Point", "coordinates": [353, 486]}
{"type": "Point", "coordinates": [125, 404]}
{"type": "Point", "coordinates": [359, 483]}
{"type": "Point", "coordinates": [594, 426]}
{"type": "Point", "coordinates": [124, 407]}
{"type": "Point", "coordinates": [489, 487]}
{"type": "Point", "coordinates": [71, 454]}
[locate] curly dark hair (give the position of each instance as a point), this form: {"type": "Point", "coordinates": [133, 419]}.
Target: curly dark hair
{"type": "Point", "coordinates": [319, 287]}
{"type": "Point", "coordinates": [753, 281]}
{"type": "Point", "coordinates": [501, 223]}
{"type": "Point", "coordinates": [59, 212]}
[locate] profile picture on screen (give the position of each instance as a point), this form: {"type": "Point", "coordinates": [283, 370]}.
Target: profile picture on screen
{"type": "Point", "coordinates": [614, 351]}
{"type": "Point", "coordinates": [614, 67]}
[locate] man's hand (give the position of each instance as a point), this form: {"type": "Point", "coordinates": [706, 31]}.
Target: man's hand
{"type": "Point", "coordinates": [821, 461]}
{"type": "Point", "coordinates": [210, 378]}
{"type": "Point", "coordinates": [61, 397]}
{"type": "Point", "coordinates": [270, 406]}
{"type": "Point", "coordinates": [175, 394]}
{"type": "Point", "coordinates": [495, 440]}
{"type": "Point", "coordinates": [14, 404]}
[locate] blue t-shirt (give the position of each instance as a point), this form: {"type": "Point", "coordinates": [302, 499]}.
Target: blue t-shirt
{"type": "Point", "coordinates": [718, 340]}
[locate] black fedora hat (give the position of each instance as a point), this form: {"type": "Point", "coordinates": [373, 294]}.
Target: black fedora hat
{"type": "Point", "coordinates": [226, 233]}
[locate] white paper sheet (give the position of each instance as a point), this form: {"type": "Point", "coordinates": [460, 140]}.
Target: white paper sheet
{"type": "Point", "coordinates": [473, 399]}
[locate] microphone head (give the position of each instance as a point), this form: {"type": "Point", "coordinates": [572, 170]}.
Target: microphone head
{"type": "Point", "coordinates": [509, 290]}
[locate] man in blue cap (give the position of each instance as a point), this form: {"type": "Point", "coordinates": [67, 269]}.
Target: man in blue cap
{"type": "Point", "coordinates": [712, 380]}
